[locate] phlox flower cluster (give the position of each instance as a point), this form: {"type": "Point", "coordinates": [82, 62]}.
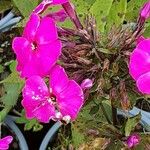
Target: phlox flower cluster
{"type": "Point", "coordinates": [37, 52]}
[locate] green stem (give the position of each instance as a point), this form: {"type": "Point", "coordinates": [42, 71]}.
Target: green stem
{"type": "Point", "coordinates": [4, 113]}
{"type": "Point", "coordinates": [114, 116]}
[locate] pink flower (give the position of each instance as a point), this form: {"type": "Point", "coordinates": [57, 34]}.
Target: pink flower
{"type": "Point", "coordinates": [139, 66]}
{"type": "Point", "coordinates": [39, 48]}
{"type": "Point", "coordinates": [61, 101]}
{"type": "Point", "coordinates": [145, 11]}
{"type": "Point", "coordinates": [133, 140]}
{"type": "Point", "coordinates": [45, 3]}
{"type": "Point", "coordinates": [4, 142]}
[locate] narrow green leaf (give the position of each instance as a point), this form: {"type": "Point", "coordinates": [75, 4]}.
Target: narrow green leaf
{"type": "Point", "coordinates": [131, 123]}
{"type": "Point", "coordinates": [117, 13]}
{"type": "Point", "coordinates": [77, 137]}
{"type": "Point", "coordinates": [133, 9]}
{"type": "Point", "coordinates": [25, 6]}
{"type": "Point", "coordinates": [5, 5]}
{"type": "Point", "coordinates": [100, 9]}
{"type": "Point", "coordinates": [1, 68]}
{"type": "Point", "coordinates": [30, 124]}
{"type": "Point", "coordinates": [12, 93]}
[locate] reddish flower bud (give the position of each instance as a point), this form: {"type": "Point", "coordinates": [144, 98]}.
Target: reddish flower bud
{"type": "Point", "coordinates": [133, 140]}
{"type": "Point", "coordinates": [145, 11]}
{"type": "Point", "coordinates": [86, 84]}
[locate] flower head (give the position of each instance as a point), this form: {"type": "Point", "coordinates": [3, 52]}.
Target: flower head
{"type": "Point", "coordinates": [133, 140]}
{"type": "Point", "coordinates": [61, 101]}
{"type": "Point", "coordinates": [145, 11]}
{"type": "Point", "coordinates": [4, 142]}
{"type": "Point", "coordinates": [139, 66]}
{"type": "Point", "coordinates": [39, 48]}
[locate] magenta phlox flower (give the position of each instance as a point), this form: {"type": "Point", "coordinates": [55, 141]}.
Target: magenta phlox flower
{"type": "Point", "coordinates": [139, 66]}
{"type": "Point", "coordinates": [39, 48]}
{"type": "Point", "coordinates": [4, 142]}
{"type": "Point", "coordinates": [133, 140]}
{"type": "Point", "coordinates": [61, 101]}
{"type": "Point", "coordinates": [45, 3]}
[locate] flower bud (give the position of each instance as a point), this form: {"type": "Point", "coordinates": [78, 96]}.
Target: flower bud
{"type": "Point", "coordinates": [133, 140]}
{"type": "Point", "coordinates": [86, 84]}
{"type": "Point", "coordinates": [145, 11]}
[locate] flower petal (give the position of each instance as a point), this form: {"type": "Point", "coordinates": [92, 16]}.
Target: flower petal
{"type": "Point", "coordinates": [30, 68]}
{"type": "Point", "coordinates": [47, 31]}
{"type": "Point", "coordinates": [56, 2]}
{"type": "Point", "coordinates": [22, 48]}
{"type": "Point", "coordinates": [144, 46]}
{"type": "Point", "coordinates": [72, 90]}
{"type": "Point", "coordinates": [31, 27]}
{"type": "Point", "coordinates": [51, 50]}
{"type": "Point", "coordinates": [139, 63]}
{"type": "Point", "coordinates": [34, 93]}
{"type": "Point", "coordinates": [70, 106]}
{"type": "Point", "coordinates": [58, 79]}
{"type": "Point", "coordinates": [40, 64]}
{"type": "Point", "coordinates": [4, 142]}
{"type": "Point", "coordinates": [143, 83]}
{"type": "Point", "coordinates": [45, 112]}
{"type": "Point", "coordinates": [71, 100]}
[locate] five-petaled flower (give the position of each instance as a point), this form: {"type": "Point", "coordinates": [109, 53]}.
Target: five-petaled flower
{"type": "Point", "coordinates": [61, 101]}
{"type": "Point", "coordinates": [139, 66]}
{"type": "Point", "coordinates": [4, 142]}
{"type": "Point", "coordinates": [39, 47]}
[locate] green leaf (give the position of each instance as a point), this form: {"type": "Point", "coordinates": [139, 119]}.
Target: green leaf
{"type": "Point", "coordinates": [117, 13]}
{"type": "Point", "coordinates": [133, 9]}
{"type": "Point", "coordinates": [30, 124]}
{"type": "Point", "coordinates": [37, 127]}
{"type": "Point", "coordinates": [13, 78]}
{"type": "Point", "coordinates": [131, 124]}
{"type": "Point", "coordinates": [94, 109]}
{"type": "Point", "coordinates": [77, 137]}
{"type": "Point", "coordinates": [100, 9]}
{"type": "Point", "coordinates": [106, 51]}
{"type": "Point", "coordinates": [1, 68]}
{"type": "Point", "coordinates": [21, 120]}
{"type": "Point", "coordinates": [82, 8]}
{"type": "Point", "coordinates": [13, 86]}
{"type": "Point", "coordinates": [5, 5]}
{"type": "Point", "coordinates": [25, 6]}
{"type": "Point", "coordinates": [12, 93]}
{"type": "Point", "coordinates": [12, 66]}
